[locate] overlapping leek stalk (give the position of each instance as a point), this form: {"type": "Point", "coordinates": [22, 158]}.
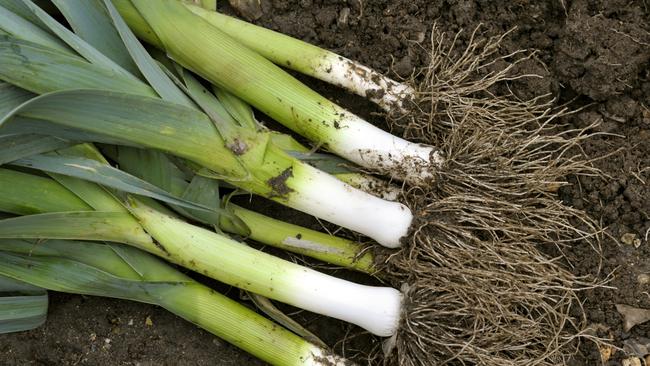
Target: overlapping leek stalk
{"type": "Point", "coordinates": [155, 168]}
{"type": "Point", "coordinates": [100, 216]}
{"type": "Point", "coordinates": [203, 48]}
{"type": "Point", "coordinates": [312, 60]}
{"type": "Point", "coordinates": [119, 271]}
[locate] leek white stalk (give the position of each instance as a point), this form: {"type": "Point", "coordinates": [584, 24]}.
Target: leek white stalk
{"type": "Point", "coordinates": [314, 61]}
{"type": "Point", "coordinates": [370, 146]}
{"type": "Point", "coordinates": [373, 185]}
{"type": "Point", "coordinates": [326, 197]}
{"type": "Point", "coordinates": [217, 57]}
{"type": "Point", "coordinates": [365, 182]}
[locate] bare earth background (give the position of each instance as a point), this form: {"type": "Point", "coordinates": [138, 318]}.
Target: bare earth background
{"type": "Point", "coordinates": [596, 53]}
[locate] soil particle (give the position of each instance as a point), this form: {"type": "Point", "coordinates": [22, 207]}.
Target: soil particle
{"type": "Point", "coordinates": [78, 326]}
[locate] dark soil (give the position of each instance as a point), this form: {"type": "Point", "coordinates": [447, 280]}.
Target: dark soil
{"type": "Point", "coordinates": [595, 54]}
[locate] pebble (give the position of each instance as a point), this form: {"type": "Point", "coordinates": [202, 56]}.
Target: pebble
{"type": "Point", "coordinates": [632, 361]}
{"type": "Point", "coordinates": [343, 17]}
{"type": "Point", "coordinates": [631, 239]}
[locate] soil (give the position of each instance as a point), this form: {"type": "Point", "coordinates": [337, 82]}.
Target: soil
{"type": "Point", "coordinates": [594, 54]}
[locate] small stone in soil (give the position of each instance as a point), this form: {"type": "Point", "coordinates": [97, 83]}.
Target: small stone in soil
{"type": "Point", "coordinates": [631, 239]}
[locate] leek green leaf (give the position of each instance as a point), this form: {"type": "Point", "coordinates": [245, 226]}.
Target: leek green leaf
{"type": "Point", "coordinates": [14, 147]}
{"type": "Point", "coordinates": [17, 26]}
{"type": "Point", "coordinates": [106, 175]}
{"type": "Point", "coordinates": [11, 97]}
{"type": "Point", "coordinates": [41, 69]}
{"type": "Point", "coordinates": [326, 162]}
{"type": "Point", "coordinates": [94, 225]}
{"type": "Point", "coordinates": [147, 65]}
{"type": "Point", "coordinates": [62, 274]}
{"type": "Point", "coordinates": [22, 306]}
{"type": "Point", "coordinates": [18, 7]}
{"type": "Point", "coordinates": [27, 194]}
{"type": "Point", "coordinates": [205, 191]}
{"type": "Point", "coordinates": [133, 119]}
{"type": "Point", "coordinates": [241, 111]}
{"type": "Point", "coordinates": [25, 126]}
{"type": "Point", "coordinates": [89, 19]}
{"type": "Point", "coordinates": [150, 165]}
{"type": "Point", "coordinates": [75, 42]}
{"type": "Point", "coordinates": [22, 312]}
{"type": "Point", "coordinates": [210, 105]}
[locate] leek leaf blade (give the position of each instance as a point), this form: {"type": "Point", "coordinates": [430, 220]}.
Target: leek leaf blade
{"type": "Point", "coordinates": [22, 306]}
{"type": "Point", "coordinates": [75, 42]}
{"type": "Point", "coordinates": [41, 69]}
{"type": "Point", "coordinates": [17, 26]}
{"type": "Point", "coordinates": [89, 20]}
{"type": "Point", "coordinates": [91, 225]}
{"type": "Point", "coordinates": [14, 147]}
{"type": "Point", "coordinates": [133, 120]}
{"type": "Point", "coordinates": [106, 175]}
{"type": "Point", "coordinates": [148, 67]}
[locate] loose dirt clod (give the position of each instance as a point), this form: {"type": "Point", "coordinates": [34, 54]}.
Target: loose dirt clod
{"type": "Point", "coordinates": [279, 183]}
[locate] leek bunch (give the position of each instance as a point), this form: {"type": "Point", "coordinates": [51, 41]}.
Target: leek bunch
{"type": "Point", "coordinates": [98, 215]}
{"type": "Point", "coordinates": [177, 142]}
{"type": "Point", "coordinates": [124, 110]}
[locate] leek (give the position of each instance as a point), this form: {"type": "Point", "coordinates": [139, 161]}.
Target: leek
{"type": "Point", "coordinates": [119, 271]}
{"type": "Point", "coordinates": [314, 61]}
{"type": "Point", "coordinates": [205, 49]}
{"type": "Point", "coordinates": [154, 167]}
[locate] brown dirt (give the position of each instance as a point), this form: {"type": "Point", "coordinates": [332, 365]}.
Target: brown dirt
{"type": "Point", "coordinates": [596, 54]}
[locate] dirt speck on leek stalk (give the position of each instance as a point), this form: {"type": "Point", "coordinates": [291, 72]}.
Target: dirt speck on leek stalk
{"type": "Point", "coordinates": [278, 183]}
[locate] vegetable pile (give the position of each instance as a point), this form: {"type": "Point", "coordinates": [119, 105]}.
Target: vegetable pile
{"type": "Point", "coordinates": [121, 160]}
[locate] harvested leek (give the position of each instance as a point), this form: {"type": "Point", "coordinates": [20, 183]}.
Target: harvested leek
{"type": "Point", "coordinates": [311, 60]}
{"type": "Point", "coordinates": [114, 270]}
{"type": "Point", "coordinates": [205, 49]}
